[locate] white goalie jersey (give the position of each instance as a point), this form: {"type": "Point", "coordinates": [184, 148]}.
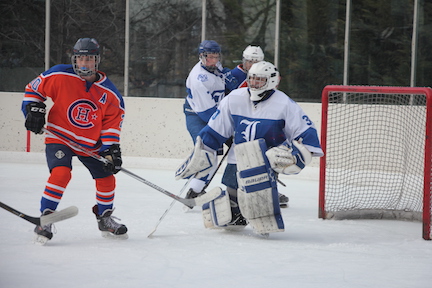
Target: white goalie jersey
{"type": "Point", "coordinates": [276, 119]}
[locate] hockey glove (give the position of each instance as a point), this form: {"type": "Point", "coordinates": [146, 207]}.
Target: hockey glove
{"type": "Point", "coordinates": [199, 163]}
{"type": "Point", "coordinates": [113, 154]}
{"type": "Point", "coordinates": [231, 82]}
{"type": "Point", "coordinates": [286, 160]}
{"type": "Point", "coordinates": [35, 119]}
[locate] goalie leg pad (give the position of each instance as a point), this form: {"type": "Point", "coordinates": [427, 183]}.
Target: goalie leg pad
{"type": "Point", "coordinates": [258, 197]}
{"type": "Point", "coordinates": [217, 213]}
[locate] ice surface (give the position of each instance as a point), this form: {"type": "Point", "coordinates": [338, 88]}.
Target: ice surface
{"type": "Point", "coordinates": [182, 253]}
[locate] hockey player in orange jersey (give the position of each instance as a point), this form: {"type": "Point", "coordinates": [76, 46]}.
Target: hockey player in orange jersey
{"type": "Point", "coordinates": [88, 110]}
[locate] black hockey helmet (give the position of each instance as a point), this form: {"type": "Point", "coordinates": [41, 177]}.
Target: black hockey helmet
{"type": "Point", "coordinates": [86, 46]}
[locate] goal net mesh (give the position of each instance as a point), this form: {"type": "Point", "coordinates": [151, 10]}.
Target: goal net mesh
{"type": "Point", "coordinates": [375, 150]}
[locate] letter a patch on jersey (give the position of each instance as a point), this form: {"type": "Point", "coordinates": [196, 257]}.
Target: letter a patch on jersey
{"type": "Point", "coordinates": [103, 98]}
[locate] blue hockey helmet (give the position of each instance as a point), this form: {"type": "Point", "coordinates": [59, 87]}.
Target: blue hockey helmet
{"type": "Point", "coordinates": [209, 46]}
{"type": "Point", "coordinates": [86, 47]}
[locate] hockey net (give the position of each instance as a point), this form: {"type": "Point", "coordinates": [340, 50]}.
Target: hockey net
{"type": "Point", "coordinates": [377, 163]}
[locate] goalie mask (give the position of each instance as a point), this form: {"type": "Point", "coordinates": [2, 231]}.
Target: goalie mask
{"type": "Point", "coordinates": [262, 77]}
{"type": "Point", "coordinates": [209, 54]}
{"type": "Point", "coordinates": [85, 59]}
{"type": "Point", "coordinates": [251, 55]}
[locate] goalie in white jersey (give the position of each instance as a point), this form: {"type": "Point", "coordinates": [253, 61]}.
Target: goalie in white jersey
{"type": "Point", "coordinates": [272, 135]}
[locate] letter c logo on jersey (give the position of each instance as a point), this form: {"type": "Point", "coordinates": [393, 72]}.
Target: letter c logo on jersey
{"type": "Point", "coordinates": [81, 113]}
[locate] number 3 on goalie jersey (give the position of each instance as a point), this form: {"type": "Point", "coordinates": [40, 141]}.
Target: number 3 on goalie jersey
{"type": "Point", "coordinates": [308, 121]}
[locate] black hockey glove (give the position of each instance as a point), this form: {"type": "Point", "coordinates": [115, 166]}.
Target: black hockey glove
{"type": "Point", "coordinates": [113, 154]}
{"type": "Point", "coordinates": [35, 119]}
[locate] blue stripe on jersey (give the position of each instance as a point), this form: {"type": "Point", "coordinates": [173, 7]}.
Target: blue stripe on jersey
{"type": "Point", "coordinates": [205, 115]}
{"type": "Point", "coordinates": [211, 138]}
{"type": "Point", "coordinates": [309, 138]}
{"type": "Point", "coordinates": [59, 68]}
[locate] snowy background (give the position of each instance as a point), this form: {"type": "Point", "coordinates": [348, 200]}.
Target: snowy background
{"type": "Point", "coordinates": [310, 253]}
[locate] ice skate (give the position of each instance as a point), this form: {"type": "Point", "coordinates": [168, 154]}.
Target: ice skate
{"type": "Point", "coordinates": [44, 233]}
{"type": "Point", "coordinates": [191, 195]}
{"type": "Point", "coordinates": [283, 200]}
{"type": "Point", "coordinates": [238, 222]}
{"type": "Point", "coordinates": [108, 226]}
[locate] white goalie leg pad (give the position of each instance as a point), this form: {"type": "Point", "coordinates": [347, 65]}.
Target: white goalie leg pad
{"type": "Point", "coordinates": [258, 197]}
{"type": "Point", "coordinates": [217, 213]}
{"type": "Point", "coordinates": [200, 162]}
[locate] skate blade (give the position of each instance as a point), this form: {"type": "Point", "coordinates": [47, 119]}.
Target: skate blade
{"type": "Point", "coordinates": [284, 205]}
{"type": "Point", "coordinates": [40, 240]}
{"type": "Point", "coordinates": [234, 227]}
{"type": "Point", "coordinates": [109, 235]}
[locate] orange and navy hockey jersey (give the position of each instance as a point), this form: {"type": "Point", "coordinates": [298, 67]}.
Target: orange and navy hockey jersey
{"type": "Point", "coordinates": [89, 114]}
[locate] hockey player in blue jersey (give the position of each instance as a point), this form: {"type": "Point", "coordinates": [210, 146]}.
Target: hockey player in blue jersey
{"type": "Point", "coordinates": [205, 87]}
{"type": "Point", "coordinates": [272, 135]}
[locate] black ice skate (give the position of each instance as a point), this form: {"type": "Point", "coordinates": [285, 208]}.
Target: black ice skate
{"type": "Point", "coordinates": [238, 222]}
{"type": "Point", "coordinates": [283, 200]}
{"type": "Point", "coordinates": [191, 195]}
{"type": "Point", "coordinates": [44, 233]}
{"type": "Point", "coordinates": [108, 226]}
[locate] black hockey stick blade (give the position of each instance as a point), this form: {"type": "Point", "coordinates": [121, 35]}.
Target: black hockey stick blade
{"type": "Point", "coordinates": [34, 220]}
{"type": "Point", "coordinates": [46, 219]}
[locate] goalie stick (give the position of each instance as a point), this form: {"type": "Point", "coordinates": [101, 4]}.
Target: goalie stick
{"type": "Point", "coordinates": [189, 202]}
{"type": "Point", "coordinates": [43, 220]}
{"type": "Point", "coordinates": [181, 192]}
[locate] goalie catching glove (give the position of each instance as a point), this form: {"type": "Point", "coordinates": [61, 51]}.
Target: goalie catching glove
{"type": "Point", "coordinates": [200, 162]}
{"type": "Point", "coordinates": [113, 154]}
{"type": "Point", "coordinates": [289, 160]}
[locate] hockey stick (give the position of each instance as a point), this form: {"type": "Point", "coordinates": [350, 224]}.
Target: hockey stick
{"type": "Point", "coordinates": [56, 216]}
{"type": "Point", "coordinates": [207, 197]}
{"type": "Point", "coordinates": [182, 190]}
{"type": "Point", "coordinates": [168, 209]}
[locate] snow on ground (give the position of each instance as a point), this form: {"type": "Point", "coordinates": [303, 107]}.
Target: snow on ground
{"type": "Point", "coordinates": [182, 253]}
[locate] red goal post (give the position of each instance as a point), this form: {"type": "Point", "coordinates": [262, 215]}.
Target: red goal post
{"type": "Point", "coordinates": [377, 142]}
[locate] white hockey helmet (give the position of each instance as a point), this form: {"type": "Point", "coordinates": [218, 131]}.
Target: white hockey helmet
{"type": "Point", "coordinates": [262, 76]}
{"type": "Point", "coordinates": [253, 53]}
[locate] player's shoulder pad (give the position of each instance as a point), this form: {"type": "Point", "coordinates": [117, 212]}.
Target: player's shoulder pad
{"type": "Point", "coordinates": [66, 68]}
